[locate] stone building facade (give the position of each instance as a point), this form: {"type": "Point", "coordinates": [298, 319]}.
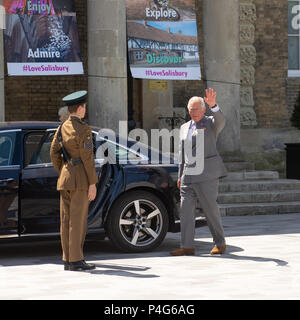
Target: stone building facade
{"type": "Point", "coordinates": [265, 87]}
{"type": "Point", "coordinates": [267, 94]}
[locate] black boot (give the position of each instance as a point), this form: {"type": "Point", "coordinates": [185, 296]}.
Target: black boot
{"type": "Point", "coordinates": [81, 266]}
{"type": "Point", "coordinates": [66, 265]}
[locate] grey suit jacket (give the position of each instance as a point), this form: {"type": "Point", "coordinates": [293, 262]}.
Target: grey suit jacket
{"type": "Point", "coordinates": [213, 164]}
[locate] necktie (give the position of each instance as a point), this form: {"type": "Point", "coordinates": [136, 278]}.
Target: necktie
{"type": "Point", "coordinates": [192, 130]}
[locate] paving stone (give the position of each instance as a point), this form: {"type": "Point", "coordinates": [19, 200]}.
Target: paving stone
{"type": "Point", "coordinates": [262, 262]}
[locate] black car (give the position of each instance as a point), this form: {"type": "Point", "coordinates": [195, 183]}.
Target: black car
{"type": "Point", "coordinates": [136, 204]}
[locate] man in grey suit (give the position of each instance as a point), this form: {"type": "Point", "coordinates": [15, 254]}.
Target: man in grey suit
{"type": "Point", "coordinates": [203, 186]}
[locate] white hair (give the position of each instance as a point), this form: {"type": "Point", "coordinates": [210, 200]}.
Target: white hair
{"type": "Point", "coordinates": [197, 100]}
{"type": "Point", "coordinates": [63, 114]}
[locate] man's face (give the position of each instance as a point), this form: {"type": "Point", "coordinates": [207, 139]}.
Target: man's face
{"type": "Point", "coordinates": [196, 111]}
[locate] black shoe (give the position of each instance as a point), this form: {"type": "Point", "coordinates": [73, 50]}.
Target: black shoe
{"type": "Point", "coordinates": [81, 266]}
{"type": "Point", "coordinates": [66, 265]}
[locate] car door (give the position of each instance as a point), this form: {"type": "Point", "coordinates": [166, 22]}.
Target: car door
{"type": "Point", "coordinates": [39, 198]}
{"type": "Point", "coordinates": [9, 182]}
{"type": "Point", "coordinates": [106, 176]}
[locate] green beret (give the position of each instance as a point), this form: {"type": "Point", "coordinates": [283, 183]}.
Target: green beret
{"type": "Point", "coordinates": [75, 98]}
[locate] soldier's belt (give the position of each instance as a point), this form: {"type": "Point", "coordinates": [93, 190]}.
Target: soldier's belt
{"type": "Point", "coordinates": [75, 161]}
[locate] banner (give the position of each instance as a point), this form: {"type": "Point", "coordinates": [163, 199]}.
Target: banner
{"type": "Point", "coordinates": [162, 39]}
{"type": "Point", "coordinates": [41, 38]}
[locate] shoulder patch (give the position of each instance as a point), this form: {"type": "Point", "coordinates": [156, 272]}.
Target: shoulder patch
{"type": "Point", "coordinates": [87, 137]}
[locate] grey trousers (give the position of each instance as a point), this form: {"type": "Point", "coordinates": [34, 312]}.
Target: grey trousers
{"type": "Point", "coordinates": [206, 192]}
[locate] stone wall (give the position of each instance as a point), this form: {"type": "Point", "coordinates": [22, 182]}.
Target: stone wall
{"type": "Point", "coordinates": [264, 66]}
{"type": "Point", "coordinates": [263, 54]}
{"type": "Point", "coordinates": [271, 63]}
{"type": "Point", "coordinates": [267, 97]}
{"type": "Point", "coordinates": [39, 98]}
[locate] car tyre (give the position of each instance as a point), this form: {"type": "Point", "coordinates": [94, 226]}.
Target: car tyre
{"type": "Point", "coordinates": [137, 222]}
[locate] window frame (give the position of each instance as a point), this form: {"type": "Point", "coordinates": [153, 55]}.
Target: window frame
{"type": "Point", "coordinates": [13, 147]}
{"type": "Point", "coordinates": [33, 165]}
{"type": "Point", "coordinates": [292, 73]}
{"type": "Point", "coordinates": [140, 158]}
{"type": "Point", "coordinates": [139, 55]}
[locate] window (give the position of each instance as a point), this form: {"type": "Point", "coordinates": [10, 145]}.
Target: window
{"type": "Point", "coordinates": [139, 55]}
{"type": "Point", "coordinates": [37, 148]}
{"type": "Point", "coordinates": [113, 152]}
{"type": "Point", "coordinates": [7, 148]}
{"type": "Point", "coordinates": [43, 155]}
{"type": "Point", "coordinates": [293, 38]}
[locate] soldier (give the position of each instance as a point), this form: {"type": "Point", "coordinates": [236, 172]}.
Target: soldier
{"type": "Point", "coordinates": [72, 156]}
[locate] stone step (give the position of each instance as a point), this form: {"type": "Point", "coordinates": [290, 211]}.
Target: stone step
{"type": "Point", "coordinates": [239, 166]}
{"type": "Point", "coordinates": [242, 209]}
{"type": "Point", "coordinates": [259, 196]}
{"type": "Point", "coordinates": [259, 185]}
{"type": "Point", "coordinates": [234, 157]}
{"type": "Point", "coordinates": [251, 175]}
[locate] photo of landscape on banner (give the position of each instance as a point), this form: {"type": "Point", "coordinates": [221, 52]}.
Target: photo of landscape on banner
{"type": "Point", "coordinates": [162, 39]}
{"type": "Point", "coordinates": [41, 38]}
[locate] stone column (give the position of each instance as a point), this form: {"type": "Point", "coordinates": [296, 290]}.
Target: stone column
{"type": "Point", "coordinates": [248, 59]}
{"type": "Point", "coordinates": [2, 93]}
{"type": "Point", "coordinates": [222, 65]}
{"type": "Point", "coordinates": [107, 59]}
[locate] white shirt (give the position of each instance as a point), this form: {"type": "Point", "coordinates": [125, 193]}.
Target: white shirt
{"type": "Point", "coordinates": [193, 124]}
{"type": "Point", "coordinates": [191, 129]}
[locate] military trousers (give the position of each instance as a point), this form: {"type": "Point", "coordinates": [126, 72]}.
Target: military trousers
{"type": "Point", "coordinates": [73, 223]}
{"type": "Point", "coordinates": [206, 192]}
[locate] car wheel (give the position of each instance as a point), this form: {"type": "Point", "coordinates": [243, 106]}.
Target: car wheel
{"type": "Point", "coordinates": [137, 222]}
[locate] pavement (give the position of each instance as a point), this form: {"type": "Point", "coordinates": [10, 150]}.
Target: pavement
{"type": "Point", "coordinates": [262, 261]}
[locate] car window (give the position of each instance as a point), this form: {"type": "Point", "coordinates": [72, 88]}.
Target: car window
{"type": "Point", "coordinates": [37, 148]}
{"type": "Point", "coordinates": [7, 147]}
{"type": "Point", "coordinates": [116, 151]}
{"type": "Point", "coordinates": [43, 153]}
{"type": "Point", "coordinates": [32, 145]}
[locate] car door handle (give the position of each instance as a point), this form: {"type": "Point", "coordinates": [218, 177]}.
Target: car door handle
{"type": "Point", "coordinates": [6, 182]}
